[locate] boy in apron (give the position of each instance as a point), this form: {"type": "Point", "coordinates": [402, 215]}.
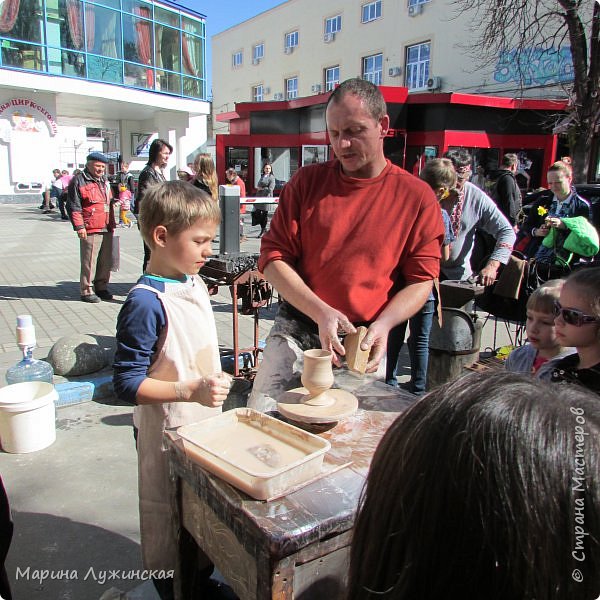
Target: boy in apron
{"type": "Point", "coordinates": [167, 359]}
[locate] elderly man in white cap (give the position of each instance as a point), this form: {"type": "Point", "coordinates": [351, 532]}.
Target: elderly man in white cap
{"type": "Point", "coordinates": [90, 207]}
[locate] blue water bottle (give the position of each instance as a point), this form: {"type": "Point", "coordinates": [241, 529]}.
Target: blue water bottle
{"type": "Point", "coordinates": [28, 369]}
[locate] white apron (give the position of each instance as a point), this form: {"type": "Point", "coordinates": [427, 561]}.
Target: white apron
{"type": "Point", "coordinates": [187, 349]}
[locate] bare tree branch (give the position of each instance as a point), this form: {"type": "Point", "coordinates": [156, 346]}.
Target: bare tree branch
{"type": "Point", "coordinates": [509, 35]}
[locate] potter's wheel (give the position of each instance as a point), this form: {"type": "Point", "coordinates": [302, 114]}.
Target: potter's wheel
{"type": "Point", "coordinates": [293, 405]}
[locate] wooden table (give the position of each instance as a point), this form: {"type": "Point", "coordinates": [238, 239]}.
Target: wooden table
{"type": "Point", "coordinates": [296, 546]}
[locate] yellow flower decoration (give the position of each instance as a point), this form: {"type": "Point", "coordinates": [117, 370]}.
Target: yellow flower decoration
{"type": "Point", "coordinates": [542, 211]}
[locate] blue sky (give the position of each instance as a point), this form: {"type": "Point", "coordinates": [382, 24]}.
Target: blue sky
{"type": "Point", "coordinates": [222, 14]}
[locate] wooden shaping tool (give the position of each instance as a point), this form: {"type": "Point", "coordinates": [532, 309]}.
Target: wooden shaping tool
{"type": "Point", "coordinates": [356, 358]}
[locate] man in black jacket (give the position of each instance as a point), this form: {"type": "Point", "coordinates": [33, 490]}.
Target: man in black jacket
{"type": "Point", "coordinates": [506, 192]}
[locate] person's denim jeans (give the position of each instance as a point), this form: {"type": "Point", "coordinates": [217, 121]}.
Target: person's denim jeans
{"type": "Point", "coordinates": [418, 348]}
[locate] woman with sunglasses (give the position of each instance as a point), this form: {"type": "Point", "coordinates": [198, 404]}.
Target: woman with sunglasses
{"type": "Point", "coordinates": [577, 323]}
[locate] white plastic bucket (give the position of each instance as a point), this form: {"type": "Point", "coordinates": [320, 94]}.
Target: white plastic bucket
{"type": "Point", "coordinates": [27, 416]}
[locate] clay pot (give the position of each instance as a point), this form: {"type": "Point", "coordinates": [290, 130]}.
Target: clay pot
{"type": "Point", "coordinates": [317, 377]}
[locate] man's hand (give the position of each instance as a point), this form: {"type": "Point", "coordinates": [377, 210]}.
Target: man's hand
{"type": "Point", "coordinates": [488, 274]}
{"type": "Point", "coordinates": [400, 308]}
{"type": "Point", "coordinates": [331, 323]}
{"type": "Point", "coordinates": [82, 234]}
{"type": "Point", "coordinates": [376, 342]}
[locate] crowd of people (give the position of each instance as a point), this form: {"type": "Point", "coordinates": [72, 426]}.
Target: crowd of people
{"type": "Point", "coordinates": [474, 492]}
{"type": "Point", "coordinates": [80, 196]}
{"type": "Point", "coordinates": [555, 236]}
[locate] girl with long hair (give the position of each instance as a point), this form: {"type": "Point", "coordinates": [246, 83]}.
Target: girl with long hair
{"type": "Point", "coordinates": [206, 175]}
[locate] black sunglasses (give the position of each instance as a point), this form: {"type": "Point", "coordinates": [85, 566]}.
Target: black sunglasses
{"type": "Point", "coordinates": [572, 316]}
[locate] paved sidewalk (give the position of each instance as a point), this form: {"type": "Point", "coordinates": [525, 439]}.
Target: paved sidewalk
{"type": "Point", "coordinates": [75, 503]}
{"type": "Point", "coordinates": [40, 276]}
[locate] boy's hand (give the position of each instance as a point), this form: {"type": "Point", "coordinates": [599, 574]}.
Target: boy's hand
{"type": "Point", "coordinates": [210, 391]}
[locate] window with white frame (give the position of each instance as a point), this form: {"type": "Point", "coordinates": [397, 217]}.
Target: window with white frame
{"type": "Point", "coordinates": [258, 93]}
{"type": "Point", "coordinates": [258, 52]}
{"type": "Point", "coordinates": [332, 77]}
{"type": "Point", "coordinates": [237, 58]}
{"type": "Point", "coordinates": [291, 88]}
{"type": "Point", "coordinates": [291, 39]}
{"type": "Point", "coordinates": [415, 2]}
{"type": "Point", "coordinates": [417, 65]}
{"type": "Point", "coordinates": [371, 11]}
{"type": "Point", "coordinates": [372, 68]}
{"type": "Point", "coordinates": [333, 24]}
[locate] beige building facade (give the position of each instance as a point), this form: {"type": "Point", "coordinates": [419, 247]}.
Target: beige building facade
{"type": "Point", "coordinates": [306, 47]}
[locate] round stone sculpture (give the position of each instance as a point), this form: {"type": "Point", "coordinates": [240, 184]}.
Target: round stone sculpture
{"type": "Point", "coordinates": [78, 354]}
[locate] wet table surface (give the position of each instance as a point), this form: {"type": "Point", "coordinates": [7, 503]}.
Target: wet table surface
{"type": "Point", "coordinates": [324, 508]}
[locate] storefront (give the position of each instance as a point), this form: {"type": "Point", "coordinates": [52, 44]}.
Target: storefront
{"type": "Point", "coordinates": [77, 77]}
{"type": "Point", "coordinates": [292, 133]}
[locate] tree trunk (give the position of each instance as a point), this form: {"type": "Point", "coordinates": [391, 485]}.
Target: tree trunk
{"type": "Point", "coordinates": [579, 148]}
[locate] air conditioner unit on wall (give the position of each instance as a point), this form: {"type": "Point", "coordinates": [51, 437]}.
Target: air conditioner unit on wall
{"type": "Point", "coordinates": [434, 83]}
{"type": "Point", "coordinates": [414, 10]}
{"type": "Point", "coordinates": [329, 37]}
{"type": "Point", "coordinates": [288, 49]}
{"type": "Point", "coordinates": [277, 96]}
{"type": "Point", "coordinates": [255, 61]}
{"type": "Point", "coordinates": [394, 71]}
{"type": "Point", "coordinates": [316, 88]}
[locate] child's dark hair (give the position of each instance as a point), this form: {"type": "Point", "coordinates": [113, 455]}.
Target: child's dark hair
{"type": "Point", "coordinates": [543, 298]}
{"type": "Point", "coordinates": [587, 281]}
{"type": "Point", "coordinates": [177, 205]}
{"type": "Point", "coordinates": [488, 487]}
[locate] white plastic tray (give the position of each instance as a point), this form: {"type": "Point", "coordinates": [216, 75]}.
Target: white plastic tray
{"type": "Point", "coordinates": [254, 452]}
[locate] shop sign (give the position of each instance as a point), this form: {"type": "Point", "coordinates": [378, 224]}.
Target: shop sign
{"type": "Point", "coordinates": [24, 115]}
{"type": "Point", "coordinates": [140, 144]}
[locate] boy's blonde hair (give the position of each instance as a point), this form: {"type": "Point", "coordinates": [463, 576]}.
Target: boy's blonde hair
{"type": "Point", "coordinates": [543, 298]}
{"type": "Point", "coordinates": [176, 205]}
{"type": "Point", "coordinates": [439, 173]}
